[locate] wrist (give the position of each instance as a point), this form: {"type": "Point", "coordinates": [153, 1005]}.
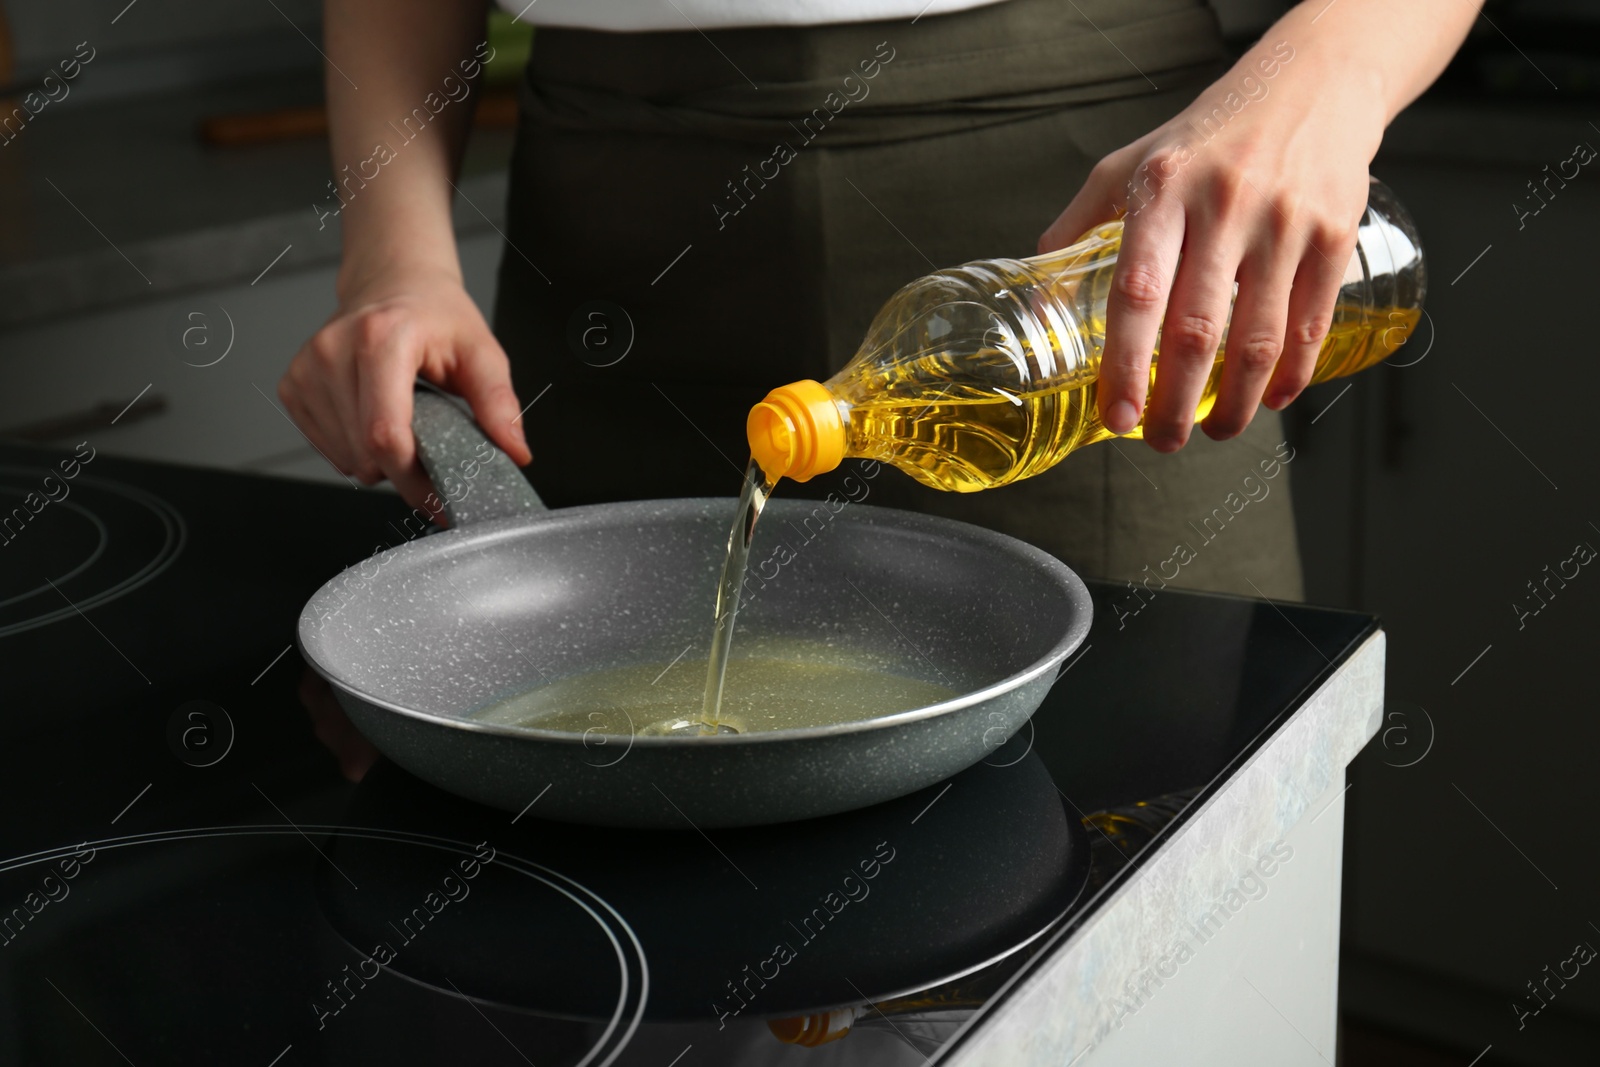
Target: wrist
{"type": "Point", "coordinates": [1376, 74]}
{"type": "Point", "coordinates": [369, 273]}
{"type": "Point", "coordinates": [1353, 97]}
{"type": "Point", "coordinates": [398, 228]}
{"type": "Point", "coordinates": [1298, 76]}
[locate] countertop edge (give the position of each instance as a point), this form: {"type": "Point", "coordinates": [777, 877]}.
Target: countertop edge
{"type": "Point", "coordinates": [1070, 1003]}
{"type": "Point", "coordinates": [101, 279]}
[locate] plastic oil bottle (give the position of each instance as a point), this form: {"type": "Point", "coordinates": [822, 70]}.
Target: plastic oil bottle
{"type": "Point", "coordinates": [984, 374]}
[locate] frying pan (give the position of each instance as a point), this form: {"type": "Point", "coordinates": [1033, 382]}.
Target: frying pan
{"type": "Point", "coordinates": [416, 639]}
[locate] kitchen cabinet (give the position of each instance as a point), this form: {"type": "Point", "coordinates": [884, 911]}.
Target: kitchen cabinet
{"type": "Point", "coordinates": [1433, 494]}
{"type": "Point", "coordinates": [198, 272]}
{"type": "Point", "coordinates": [213, 355]}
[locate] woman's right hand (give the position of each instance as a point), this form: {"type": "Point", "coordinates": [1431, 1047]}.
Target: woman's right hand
{"type": "Point", "coordinates": [349, 387]}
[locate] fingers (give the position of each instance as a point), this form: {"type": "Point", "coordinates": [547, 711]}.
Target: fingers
{"type": "Point", "coordinates": [482, 375]}
{"type": "Point", "coordinates": [1316, 287]}
{"type": "Point", "coordinates": [302, 395]}
{"type": "Point", "coordinates": [1192, 330]}
{"type": "Point", "coordinates": [386, 358]}
{"type": "Point", "coordinates": [289, 393]}
{"type": "Point", "coordinates": [1151, 242]}
{"type": "Point", "coordinates": [335, 403]}
{"type": "Point", "coordinates": [1255, 336]}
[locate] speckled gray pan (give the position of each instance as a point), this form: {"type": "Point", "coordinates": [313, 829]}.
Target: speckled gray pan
{"type": "Point", "coordinates": [415, 640]}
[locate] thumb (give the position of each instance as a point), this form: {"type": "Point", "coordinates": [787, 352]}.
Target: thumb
{"type": "Point", "coordinates": [1102, 199]}
{"type": "Point", "coordinates": [483, 378]}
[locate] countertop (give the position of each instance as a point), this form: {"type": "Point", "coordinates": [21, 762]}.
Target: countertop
{"type": "Point", "coordinates": [113, 202]}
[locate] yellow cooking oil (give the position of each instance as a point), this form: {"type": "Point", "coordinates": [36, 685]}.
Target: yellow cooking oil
{"type": "Point", "coordinates": [782, 685]}
{"type": "Point", "coordinates": [984, 374]}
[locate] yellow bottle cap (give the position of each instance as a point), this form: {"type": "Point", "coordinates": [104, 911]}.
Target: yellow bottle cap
{"type": "Point", "coordinates": [797, 431]}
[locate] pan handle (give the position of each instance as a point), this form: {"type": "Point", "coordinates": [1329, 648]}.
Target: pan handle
{"type": "Point", "coordinates": [475, 480]}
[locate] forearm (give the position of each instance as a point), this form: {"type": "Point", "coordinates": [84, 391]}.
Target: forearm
{"type": "Point", "coordinates": [389, 61]}
{"type": "Point", "coordinates": [1375, 52]}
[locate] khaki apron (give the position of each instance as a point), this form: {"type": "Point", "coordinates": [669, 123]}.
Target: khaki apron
{"type": "Point", "coordinates": [695, 218]}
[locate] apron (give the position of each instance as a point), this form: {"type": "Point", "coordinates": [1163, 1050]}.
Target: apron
{"type": "Point", "coordinates": [695, 218]}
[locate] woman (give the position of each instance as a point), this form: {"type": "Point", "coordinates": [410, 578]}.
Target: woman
{"type": "Point", "coordinates": [748, 181]}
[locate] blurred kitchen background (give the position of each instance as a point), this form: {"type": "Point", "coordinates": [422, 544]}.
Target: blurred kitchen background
{"type": "Point", "coordinates": [1432, 491]}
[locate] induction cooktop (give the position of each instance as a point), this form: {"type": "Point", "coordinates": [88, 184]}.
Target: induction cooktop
{"type": "Point", "coordinates": [187, 877]}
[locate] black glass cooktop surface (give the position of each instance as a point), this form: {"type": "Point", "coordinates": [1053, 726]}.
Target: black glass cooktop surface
{"type": "Point", "coordinates": [187, 877]}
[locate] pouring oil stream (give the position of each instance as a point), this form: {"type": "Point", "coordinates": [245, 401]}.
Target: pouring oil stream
{"type": "Point", "coordinates": [752, 498]}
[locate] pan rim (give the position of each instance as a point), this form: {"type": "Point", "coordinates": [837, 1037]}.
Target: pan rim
{"type": "Point", "coordinates": [1068, 580]}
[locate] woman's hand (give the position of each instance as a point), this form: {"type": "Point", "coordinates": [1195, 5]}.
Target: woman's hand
{"type": "Point", "coordinates": [1262, 180]}
{"type": "Point", "coordinates": [402, 308]}
{"type": "Point", "coordinates": [349, 388]}
{"type": "Point", "coordinates": [1271, 200]}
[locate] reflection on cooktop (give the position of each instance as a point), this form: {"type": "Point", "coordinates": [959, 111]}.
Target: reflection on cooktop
{"type": "Point", "coordinates": [888, 926]}
{"type": "Point", "coordinates": [774, 922]}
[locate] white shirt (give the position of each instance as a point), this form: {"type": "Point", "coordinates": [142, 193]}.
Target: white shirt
{"type": "Point", "coordinates": [635, 15]}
